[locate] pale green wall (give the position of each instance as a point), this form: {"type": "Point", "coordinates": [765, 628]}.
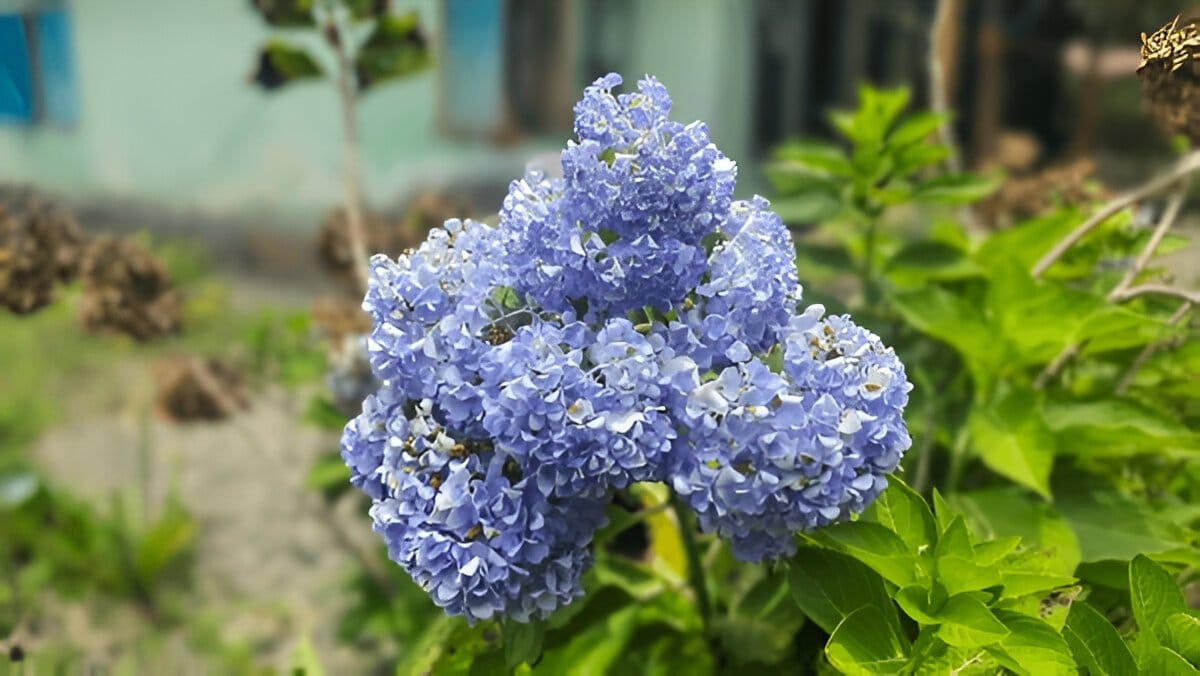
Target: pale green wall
{"type": "Point", "coordinates": [167, 114]}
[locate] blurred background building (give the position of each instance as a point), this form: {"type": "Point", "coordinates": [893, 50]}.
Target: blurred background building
{"type": "Point", "coordinates": [149, 102]}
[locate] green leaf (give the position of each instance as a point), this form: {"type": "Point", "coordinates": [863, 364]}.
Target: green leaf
{"type": "Point", "coordinates": [367, 9]}
{"type": "Point", "coordinates": [1112, 526]}
{"type": "Point", "coordinates": [956, 321]}
{"type": "Point", "coordinates": [922, 261]}
{"type": "Point", "coordinates": [163, 545]}
{"type": "Point", "coordinates": [990, 553]}
{"type": "Point", "coordinates": [286, 13]}
{"type": "Point", "coordinates": [281, 64]}
{"type": "Point", "coordinates": [1033, 647]}
{"type": "Point", "coordinates": [523, 642]}
{"type": "Point", "coordinates": [968, 623]}
{"type": "Point", "coordinates": [954, 189]}
{"type": "Point", "coordinates": [396, 48]}
{"type": "Point", "coordinates": [305, 661]}
{"type": "Point", "coordinates": [864, 643]}
{"type": "Point", "coordinates": [876, 546]}
{"type": "Point", "coordinates": [996, 513]}
{"type": "Point", "coordinates": [1116, 427]}
{"type": "Point", "coordinates": [1026, 242]}
{"type": "Point", "coordinates": [813, 207]}
{"type": "Point", "coordinates": [322, 413]}
{"type": "Point", "coordinates": [761, 624]}
{"type": "Point", "coordinates": [906, 514]}
{"type": "Point", "coordinates": [955, 566]}
{"type": "Point", "coordinates": [1096, 643]}
{"type": "Point", "coordinates": [816, 157]}
{"type": "Point", "coordinates": [1155, 596]}
{"type": "Point", "coordinates": [1167, 662]}
{"type": "Point", "coordinates": [1013, 440]}
{"type": "Point", "coordinates": [915, 128]}
{"type": "Point", "coordinates": [1181, 633]}
{"type": "Point", "coordinates": [828, 586]}
{"type": "Point", "coordinates": [329, 475]}
{"type": "Point", "coordinates": [943, 513]}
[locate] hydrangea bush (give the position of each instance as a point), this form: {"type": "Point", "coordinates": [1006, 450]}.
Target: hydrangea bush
{"type": "Point", "coordinates": [628, 322]}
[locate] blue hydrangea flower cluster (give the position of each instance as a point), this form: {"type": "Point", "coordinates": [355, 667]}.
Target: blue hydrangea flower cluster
{"type": "Point", "coordinates": [628, 322]}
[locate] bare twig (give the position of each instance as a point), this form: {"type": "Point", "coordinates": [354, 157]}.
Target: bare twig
{"type": "Point", "coordinates": [1069, 352]}
{"type": "Point", "coordinates": [1150, 350]}
{"type": "Point", "coordinates": [1192, 297]}
{"type": "Point", "coordinates": [1186, 165]}
{"type": "Point", "coordinates": [1160, 231]}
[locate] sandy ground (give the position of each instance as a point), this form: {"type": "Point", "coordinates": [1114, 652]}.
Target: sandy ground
{"type": "Point", "coordinates": [267, 568]}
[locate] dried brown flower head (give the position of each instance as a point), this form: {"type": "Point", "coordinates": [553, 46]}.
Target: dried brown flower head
{"type": "Point", "coordinates": [1170, 73]}
{"type": "Point", "coordinates": [197, 389]}
{"type": "Point", "coordinates": [40, 246]}
{"type": "Point", "coordinates": [127, 291]}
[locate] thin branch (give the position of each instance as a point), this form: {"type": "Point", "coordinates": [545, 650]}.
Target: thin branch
{"type": "Point", "coordinates": [1164, 225]}
{"type": "Point", "coordinates": [1186, 165]}
{"type": "Point", "coordinates": [356, 226]}
{"type": "Point", "coordinates": [1052, 369]}
{"type": "Point", "coordinates": [943, 19]}
{"type": "Point", "coordinates": [1150, 350]}
{"type": "Point", "coordinates": [1192, 297]}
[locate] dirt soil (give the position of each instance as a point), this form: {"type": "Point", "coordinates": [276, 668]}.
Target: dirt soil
{"type": "Point", "coordinates": [268, 570]}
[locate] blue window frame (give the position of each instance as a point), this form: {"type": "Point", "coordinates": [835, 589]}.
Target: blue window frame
{"type": "Point", "coordinates": [37, 68]}
{"type": "Point", "coordinates": [16, 75]}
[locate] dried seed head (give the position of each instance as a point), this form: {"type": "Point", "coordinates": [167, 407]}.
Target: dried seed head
{"type": "Point", "coordinates": [127, 291]}
{"type": "Point", "coordinates": [1170, 73]}
{"type": "Point", "coordinates": [40, 245]}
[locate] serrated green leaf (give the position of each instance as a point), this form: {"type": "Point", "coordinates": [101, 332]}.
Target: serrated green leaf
{"type": "Point", "coordinates": [997, 513]}
{"type": "Point", "coordinates": [991, 552]}
{"type": "Point", "coordinates": [1181, 633]}
{"type": "Point", "coordinates": [1162, 660]}
{"type": "Point", "coordinates": [1155, 597]}
{"type": "Point", "coordinates": [968, 623]}
{"type": "Point", "coordinates": [863, 643]}
{"type": "Point", "coordinates": [828, 586]}
{"type": "Point", "coordinates": [954, 562]}
{"type": "Point", "coordinates": [906, 514]}
{"type": "Point", "coordinates": [1112, 526]}
{"type": "Point", "coordinates": [1096, 644]}
{"type": "Point", "coordinates": [956, 321]}
{"type": "Point", "coordinates": [1033, 647]}
{"type": "Point", "coordinates": [876, 546]}
{"type": "Point", "coordinates": [1013, 440]}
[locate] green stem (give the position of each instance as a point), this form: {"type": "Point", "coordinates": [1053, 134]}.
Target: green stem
{"type": "Point", "coordinates": [687, 534]}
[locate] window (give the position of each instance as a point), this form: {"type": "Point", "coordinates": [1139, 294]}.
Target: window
{"type": "Point", "coordinates": [37, 71]}
{"type": "Point", "coordinates": [506, 68]}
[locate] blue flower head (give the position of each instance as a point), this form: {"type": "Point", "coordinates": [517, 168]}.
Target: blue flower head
{"type": "Point", "coordinates": [625, 225]}
{"type": "Point", "coordinates": [627, 322]}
